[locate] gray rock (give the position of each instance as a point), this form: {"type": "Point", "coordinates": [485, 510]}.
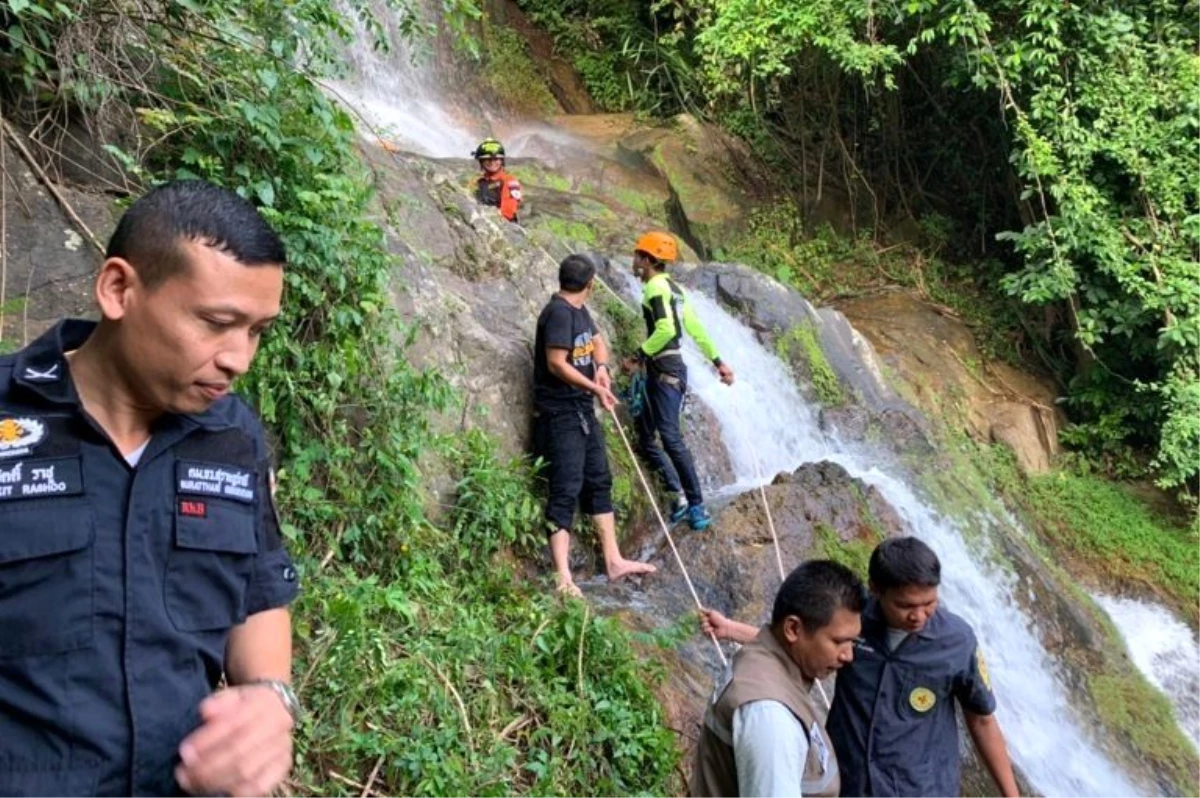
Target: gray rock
{"type": "Point", "coordinates": [50, 266]}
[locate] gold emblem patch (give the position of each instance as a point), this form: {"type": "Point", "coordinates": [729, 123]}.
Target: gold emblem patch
{"type": "Point", "coordinates": [18, 436]}
{"type": "Point", "coordinates": [981, 663]}
{"type": "Point", "coordinates": [922, 699]}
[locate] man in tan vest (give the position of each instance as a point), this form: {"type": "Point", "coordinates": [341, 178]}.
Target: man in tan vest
{"type": "Point", "coordinates": [761, 735]}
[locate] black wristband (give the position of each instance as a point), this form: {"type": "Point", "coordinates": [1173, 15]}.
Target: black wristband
{"type": "Point", "coordinates": [601, 365]}
{"type": "Point", "coordinates": [717, 362]}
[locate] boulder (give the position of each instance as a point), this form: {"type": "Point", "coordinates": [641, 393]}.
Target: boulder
{"type": "Point", "coordinates": [933, 357]}
{"type": "Point", "coordinates": [706, 171]}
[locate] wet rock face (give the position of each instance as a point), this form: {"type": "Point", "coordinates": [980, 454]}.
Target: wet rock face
{"type": "Point", "coordinates": [933, 356]}
{"type": "Point", "coordinates": [703, 168]}
{"type": "Point", "coordinates": [873, 410]}
{"type": "Point", "coordinates": [702, 434]}
{"type": "Point", "coordinates": [733, 568]}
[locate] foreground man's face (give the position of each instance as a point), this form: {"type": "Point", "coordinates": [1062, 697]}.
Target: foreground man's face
{"type": "Point", "coordinates": [189, 338]}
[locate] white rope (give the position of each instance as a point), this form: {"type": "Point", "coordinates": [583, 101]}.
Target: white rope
{"type": "Point", "coordinates": [662, 521]}
{"type": "Point", "coordinates": [762, 492]}
{"type": "Point", "coordinates": [821, 690]}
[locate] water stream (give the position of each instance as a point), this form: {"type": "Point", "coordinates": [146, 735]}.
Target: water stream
{"type": "Point", "coordinates": [768, 428]}
{"type": "Point", "coordinates": [394, 97]}
{"type": "Point", "coordinates": [1167, 653]}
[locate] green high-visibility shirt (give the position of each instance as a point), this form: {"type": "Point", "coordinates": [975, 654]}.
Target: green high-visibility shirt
{"type": "Point", "coordinates": [666, 310]}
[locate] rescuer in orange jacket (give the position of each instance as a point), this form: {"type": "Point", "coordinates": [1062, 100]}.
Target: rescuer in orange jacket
{"type": "Point", "coordinates": [496, 187]}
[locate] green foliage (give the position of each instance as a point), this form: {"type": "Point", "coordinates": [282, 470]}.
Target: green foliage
{"type": "Point", "coordinates": [422, 659]}
{"type": "Point", "coordinates": [460, 684]}
{"type": "Point", "coordinates": [1085, 176]}
{"type": "Point", "coordinates": [1103, 111]}
{"type": "Point", "coordinates": [623, 62]}
{"type": "Point", "coordinates": [1095, 519]}
{"type": "Point", "coordinates": [1143, 714]}
{"type": "Point", "coordinates": [512, 77]}
{"type": "Point", "coordinates": [801, 342]}
{"type": "Point", "coordinates": [854, 554]}
{"type": "Point", "coordinates": [494, 503]}
{"type": "Point", "coordinates": [1098, 525]}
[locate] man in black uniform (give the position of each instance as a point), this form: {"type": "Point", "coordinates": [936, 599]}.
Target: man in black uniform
{"type": "Point", "coordinates": [570, 366]}
{"type": "Point", "coordinates": [140, 553]}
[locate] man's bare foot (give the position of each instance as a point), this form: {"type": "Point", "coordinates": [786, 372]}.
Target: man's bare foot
{"type": "Point", "coordinates": [619, 569]}
{"type": "Point", "coordinates": [568, 588]}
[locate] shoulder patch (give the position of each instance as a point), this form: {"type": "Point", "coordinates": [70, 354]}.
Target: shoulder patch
{"type": "Point", "coordinates": [50, 374]}
{"type": "Point", "coordinates": [19, 435]}
{"type": "Point", "coordinates": [981, 664]}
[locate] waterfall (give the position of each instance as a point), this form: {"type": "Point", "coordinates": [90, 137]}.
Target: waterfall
{"type": "Point", "coordinates": [764, 418]}
{"type": "Point", "coordinates": [1166, 652]}
{"type": "Point", "coordinates": [395, 97]}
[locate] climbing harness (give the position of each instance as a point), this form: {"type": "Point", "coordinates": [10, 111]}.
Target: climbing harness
{"type": "Point", "coordinates": [634, 397]}
{"type": "Point", "coordinates": [662, 522]}
{"type": "Point", "coordinates": [650, 494]}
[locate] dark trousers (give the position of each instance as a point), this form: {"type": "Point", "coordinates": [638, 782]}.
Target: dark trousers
{"type": "Point", "coordinates": [572, 443]}
{"type": "Point", "coordinates": [660, 416]}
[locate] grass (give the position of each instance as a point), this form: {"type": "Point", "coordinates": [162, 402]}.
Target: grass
{"type": "Point", "coordinates": [570, 233]}
{"type": "Point", "coordinates": [854, 554]}
{"type": "Point", "coordinates": [1098, 522]}
{"type": "Point", "coordinates": [1133, 708]}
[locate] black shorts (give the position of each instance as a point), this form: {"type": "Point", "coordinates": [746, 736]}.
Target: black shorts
{"type": "Point", "coordinates": [572, 443]}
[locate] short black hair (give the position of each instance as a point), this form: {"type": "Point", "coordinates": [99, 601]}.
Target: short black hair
{"type": "Point", "coordinates": [576, 271]}
{"type": "Point", "coordinates": [150, 232]}
{"type": "Point", "coordinates": [815, 591]}
{"type": "Point", "coordinates": [904, 562]}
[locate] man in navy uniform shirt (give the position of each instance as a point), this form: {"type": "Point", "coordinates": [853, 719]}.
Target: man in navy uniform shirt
{"type": "Point", "coordinates": [892, 722]}
{"type": "Point", "coordinates": [140, 553]}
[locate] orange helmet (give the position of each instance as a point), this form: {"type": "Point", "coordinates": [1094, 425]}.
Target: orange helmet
{"type": "Point", "coordinates": [660, 246]}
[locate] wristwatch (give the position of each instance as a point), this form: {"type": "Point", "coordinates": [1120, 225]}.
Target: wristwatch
{"type": "Point", "coordinates": [285, 693]}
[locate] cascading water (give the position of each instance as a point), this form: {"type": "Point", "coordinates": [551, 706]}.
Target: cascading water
{"type": "Point", "coordinates": [397, 100]}
{"type": "Point", "coordinates": [769, 428]}
{"type": "Point", "coordinates": [1166, 652]}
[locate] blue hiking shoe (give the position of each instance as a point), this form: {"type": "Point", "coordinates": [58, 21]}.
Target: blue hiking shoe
{"type": "Point", "coordinates": [679, 509]}
{"type": "Point", "coordinates": [698, 518]}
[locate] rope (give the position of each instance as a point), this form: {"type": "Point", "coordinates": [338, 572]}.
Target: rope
{"type": "Point", "coordinates": [762, 492]}
{"type": "Point", "coordinates": [662, 521]}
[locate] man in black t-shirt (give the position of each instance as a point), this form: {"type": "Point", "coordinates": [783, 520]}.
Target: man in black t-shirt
{"type": "Point", "coordinates": [570, 367]}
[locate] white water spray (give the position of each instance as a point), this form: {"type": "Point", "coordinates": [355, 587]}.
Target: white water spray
{"type": "Point", "coordinates": [395, 95]}
{"type": "Point", "coordinates": [765, 414]}
{"type": "Point", "coordinates": [1166, 652]}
